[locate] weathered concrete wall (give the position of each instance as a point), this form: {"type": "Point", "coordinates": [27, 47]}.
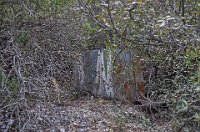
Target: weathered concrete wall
{"type": "Point", "coordinates": [110, 74]}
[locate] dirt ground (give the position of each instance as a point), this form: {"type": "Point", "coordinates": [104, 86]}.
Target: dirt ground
{"type": "Point", "coordinates": [88, 114]}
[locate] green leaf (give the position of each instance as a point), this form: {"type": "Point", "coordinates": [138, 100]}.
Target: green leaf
{"type": "Point", "coordinates": [22, 38]}
{"type": "Point", "coordinates": [140, 1]}
{"type": "Point", "coordinates": [92, 1]}
{"type": "Point", "coordinates": [197, 116]}
{"type": "Point", "coordinates": [182, 105]}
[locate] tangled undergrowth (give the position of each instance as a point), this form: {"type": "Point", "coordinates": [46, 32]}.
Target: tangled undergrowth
{"type": "Point", "coordinates": [40, 41]}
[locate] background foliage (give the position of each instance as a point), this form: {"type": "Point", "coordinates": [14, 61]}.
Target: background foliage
{"type": "Point", "coordinates": [38, 40]}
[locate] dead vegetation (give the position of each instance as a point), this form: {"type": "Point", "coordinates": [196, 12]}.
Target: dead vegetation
{"type": "Point", "coordinates": [40, 41]}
